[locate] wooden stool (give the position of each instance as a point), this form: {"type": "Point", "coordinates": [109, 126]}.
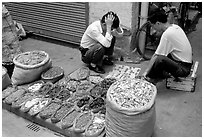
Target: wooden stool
{"type": "Point", "coordinates": [183, 83]}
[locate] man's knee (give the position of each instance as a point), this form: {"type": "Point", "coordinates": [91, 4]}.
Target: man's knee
{"type": "Point", "coordinates": [99, 49]}
{"type": "Point", "coordinates": [160, 59]}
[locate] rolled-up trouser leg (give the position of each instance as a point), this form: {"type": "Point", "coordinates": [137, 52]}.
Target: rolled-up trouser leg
{"type": "Point", "coordinates": [94, 55]}
{"type": "Point", "coordinates": [164, 64]}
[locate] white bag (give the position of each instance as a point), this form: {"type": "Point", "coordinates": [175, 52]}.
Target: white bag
{"type": "Point", "coordinates": [121, 125]}
{"type": "Point", "coordinates": [128, 120]}
{"type": "Point", "coordinates": [28, 73]}
{"type": "Point", "coordinates": [20, 30]}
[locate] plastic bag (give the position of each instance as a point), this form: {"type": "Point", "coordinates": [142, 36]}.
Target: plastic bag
{"type": "Point", "coordinates": [20, 30]}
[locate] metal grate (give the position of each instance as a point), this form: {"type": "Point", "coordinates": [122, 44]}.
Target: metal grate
{"type": "Point", "coordinates": [33, 127]}
{"type": "Point", "coordinates": [60, 20]}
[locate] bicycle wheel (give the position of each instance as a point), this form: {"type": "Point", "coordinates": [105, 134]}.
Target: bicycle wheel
{"type": "Point", "coordinates": [184, 12]}
{"type": "Point", "coordinates": [146, 41]}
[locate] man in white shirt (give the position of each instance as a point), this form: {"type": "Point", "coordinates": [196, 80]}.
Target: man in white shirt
{"type": "Point", "coordinates": [173, 56]}
{"type": "Point", "coordinates": [98, 40]}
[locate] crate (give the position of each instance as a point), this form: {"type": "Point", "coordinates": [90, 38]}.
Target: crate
{"type": "Point", "coordinates": [183, 83]}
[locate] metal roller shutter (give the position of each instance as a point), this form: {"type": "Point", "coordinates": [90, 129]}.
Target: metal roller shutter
{"type": "Point", "coordinates": [60, 20]}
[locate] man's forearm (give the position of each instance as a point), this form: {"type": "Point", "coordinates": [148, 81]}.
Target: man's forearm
{"type": "Point", "coordinates": [108, 29]}
{"type": "Point", "coordinates": [151, 62]}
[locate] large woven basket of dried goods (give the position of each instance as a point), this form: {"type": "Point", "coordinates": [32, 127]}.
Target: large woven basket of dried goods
{"type": "Point", "coordinates": [130, 108]}
{"type": "Point", "coordinates": [53, 74]}
{"type": "Point", "coordinates": [5, 78]}
{"type": "Point", "coordinates": [29, 66]}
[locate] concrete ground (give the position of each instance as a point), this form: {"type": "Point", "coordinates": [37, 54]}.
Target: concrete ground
{"type": "Point", "coordinates": [178, 113]}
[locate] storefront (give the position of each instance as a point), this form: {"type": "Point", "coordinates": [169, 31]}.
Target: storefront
{"type": "Point", "coordinates": [64, 21]}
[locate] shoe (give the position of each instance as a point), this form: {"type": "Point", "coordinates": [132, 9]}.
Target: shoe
{"type": "Point", "coordinates": [153, 81]}
{"type": "Point", "coordinates": [97, 69]}
{"type": "Point", "coordinates": [107, 61]}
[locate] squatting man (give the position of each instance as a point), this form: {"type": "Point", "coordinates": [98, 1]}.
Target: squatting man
{"type": "Point", "coordinates": [97, 43]}
{"type": "Point", "coordinates": [173, 56]}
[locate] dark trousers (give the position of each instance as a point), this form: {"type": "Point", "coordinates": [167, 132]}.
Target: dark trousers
{"type": "Point", "coordinates": [109, 51]}
{"type": "Point", "coordinates": [96, 53]}
{"type": "Point", "coordinates": [166, 64]}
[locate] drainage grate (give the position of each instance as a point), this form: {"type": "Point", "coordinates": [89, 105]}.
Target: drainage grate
{"type": "Point", "coordinates": [33, 127]}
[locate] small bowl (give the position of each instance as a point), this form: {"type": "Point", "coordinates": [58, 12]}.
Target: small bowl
{"type": "Point", "coordinates": [83, 73]}
{"type": "Point", "coordinates": [54, 78]}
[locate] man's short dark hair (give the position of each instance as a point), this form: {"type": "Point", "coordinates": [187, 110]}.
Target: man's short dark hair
{"type": "Point", "coordinates": [158, 15]}
{"type": "Point", "coordinates": [116, 21]}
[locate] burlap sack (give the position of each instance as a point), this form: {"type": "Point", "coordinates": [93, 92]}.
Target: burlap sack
{"type": "Point", "coordinates": [5, 12]}
{"type": "Point", "coordinates": [121, 125]}
{"type": "Point", "coordinates": [10, 41]}
{"type": "Point", "coordinates": [9, 37]}
{"type": "Point", "coordinates": [7, 21]}
{"type": "Point", "coordinates": [10, 51]}
{"type": "Point", "coordinates": [125, 122]}
{"type": "Point", "coordinates": [23, 74]}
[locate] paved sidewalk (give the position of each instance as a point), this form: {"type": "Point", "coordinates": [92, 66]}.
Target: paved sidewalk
{"type": "Point", "coordinates": [178, 113]}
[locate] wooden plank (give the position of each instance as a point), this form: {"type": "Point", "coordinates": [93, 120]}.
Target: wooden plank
{"type": "Point", "coordinates": [195, 69]}
{"type": "Point", "coordinates": [184, 83]}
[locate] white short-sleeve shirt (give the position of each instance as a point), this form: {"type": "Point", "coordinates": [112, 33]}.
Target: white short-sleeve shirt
{"type": "Point", "coordinates": [175, 42]}
{"type": "Point", "coordinates": [93, 35]}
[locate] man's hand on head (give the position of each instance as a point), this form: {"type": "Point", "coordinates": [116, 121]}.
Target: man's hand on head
{"type": "Point", "coordinates": [109, 20]}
